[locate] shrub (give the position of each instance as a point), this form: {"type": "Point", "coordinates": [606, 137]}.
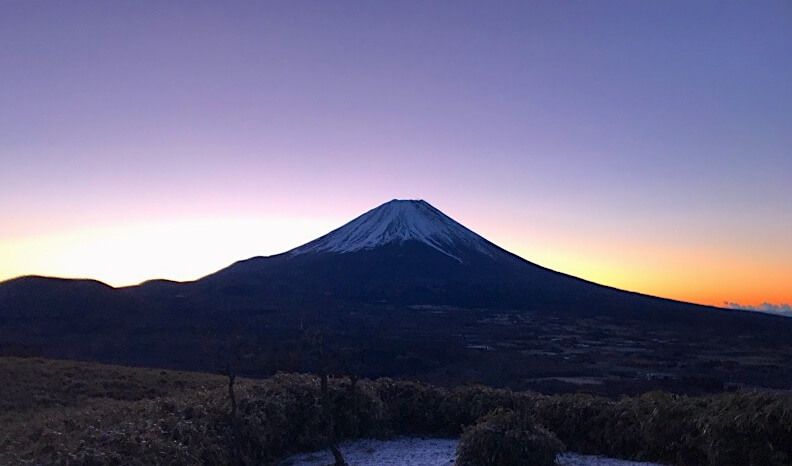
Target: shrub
{"type": "Point", "coordinates": [413, 408]}
{"type": "Point", "coordinates": [586, 423]}
{"type": "Point", "coordinates": [464, 406]}
{"type": "Point", "coordinates": [747, 430]}
{"type": "Point", "coordinates": [724, 430]}
{"type": "Point", "coordinates": [507, 438]}
{"type": "Point", "coordinates": [666, 427]}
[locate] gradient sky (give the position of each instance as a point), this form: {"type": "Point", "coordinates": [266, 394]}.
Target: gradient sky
{"type": "Point", "coordinates": [645, 145]}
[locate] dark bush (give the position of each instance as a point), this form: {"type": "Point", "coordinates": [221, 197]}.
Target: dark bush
{"type": "Point", "coordinates": [413, 408]}
{"type": "Point", "coordinates": [722, 430]}
{"type": "Point", "coordinates": [283, 415]}
{"type": "Point", "coordinates": [747, 430]}
{"type": "Point", "coordinates": [666, 427]}
{"type": "Point", "coordinates": [507, 438]}
{"type": "Point", "coordinates": [587, 423]}
{"type": "Point", "coordinates": [464, 406]}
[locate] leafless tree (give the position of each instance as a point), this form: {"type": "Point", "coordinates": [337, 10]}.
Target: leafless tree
{"type": "Point", "coordinates": [233, 359]}
{"type": "Point", "coordinates": [317, 340]}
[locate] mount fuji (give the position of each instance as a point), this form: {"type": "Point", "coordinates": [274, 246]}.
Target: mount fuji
{"type": "Point", "coordinates": [408, 252]}
{"type": "Point", "coordinates": [402, 253]}
{"type": "Point", "coordinates": [419, 293]}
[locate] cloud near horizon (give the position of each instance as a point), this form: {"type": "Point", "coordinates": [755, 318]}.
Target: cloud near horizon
{"type": "Point", "coordinates": [783, 309]}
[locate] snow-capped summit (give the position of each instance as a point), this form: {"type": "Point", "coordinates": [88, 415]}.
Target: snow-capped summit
{"type": "Point", "coordinates": [398, 221]}
{"type": "Point", "coordinates": [407, 252]}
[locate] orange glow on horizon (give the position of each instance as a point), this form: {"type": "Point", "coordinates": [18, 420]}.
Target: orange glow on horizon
{"type": "Point", "coordinates": [701, 278]}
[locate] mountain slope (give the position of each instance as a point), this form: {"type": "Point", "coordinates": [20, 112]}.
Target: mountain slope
{"type": "Point", "coordinates": [404, 252]}
{"type": "Point", "coordinates": [408, 252]}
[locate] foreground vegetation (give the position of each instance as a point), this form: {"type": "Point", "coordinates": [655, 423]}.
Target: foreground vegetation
{"type": "Point", "coordinates": [58, 412]}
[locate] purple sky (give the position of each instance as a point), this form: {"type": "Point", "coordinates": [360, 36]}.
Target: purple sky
{"type": "Point", "coordinates": [609, 139]}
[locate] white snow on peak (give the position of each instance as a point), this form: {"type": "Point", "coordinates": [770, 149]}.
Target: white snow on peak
{"type": "Point", "coordinates": [399, 221]}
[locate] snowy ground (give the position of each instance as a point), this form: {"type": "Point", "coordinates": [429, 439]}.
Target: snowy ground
{"type": "Point", "coordinates": [422, 452]}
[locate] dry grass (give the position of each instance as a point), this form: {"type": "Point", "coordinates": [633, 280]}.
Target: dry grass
{"type": "Point", "coordinates": [58, 412]}
{"type": "Point", "coordinates": [34, 384]}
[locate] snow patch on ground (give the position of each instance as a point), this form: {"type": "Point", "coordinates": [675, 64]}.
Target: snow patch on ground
{"type": "Point", "coordinates": [400, 451]}
{"type": "Point", "coordinates": [573, 459]}
{"type": "Point", "coordinates": [422, 452]}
